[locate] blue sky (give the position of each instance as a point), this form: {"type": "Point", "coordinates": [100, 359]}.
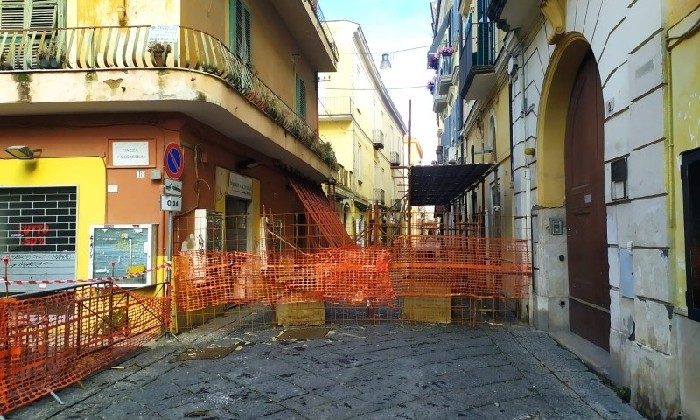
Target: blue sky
{"type": "Point", "coordinates": [389, 27]}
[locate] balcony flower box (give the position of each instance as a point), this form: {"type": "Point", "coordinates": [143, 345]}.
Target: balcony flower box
{"type": "Point", "coordinates": [446, 51]}
{"type": "Point", "coordinates": [433, 60]}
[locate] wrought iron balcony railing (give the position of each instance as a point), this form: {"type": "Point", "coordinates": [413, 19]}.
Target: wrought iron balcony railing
{"type": "Point", "coordinates": [479, 53]}
{"type": "Point", "coordinates": [324, 26]}
{"type": "Point", "coordinates": [146, 47]}
{"type": "Point", "coordinates": [335, 106]}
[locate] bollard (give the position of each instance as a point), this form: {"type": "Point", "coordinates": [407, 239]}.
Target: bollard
{"type": "Point", "coordinates": [6, 260]}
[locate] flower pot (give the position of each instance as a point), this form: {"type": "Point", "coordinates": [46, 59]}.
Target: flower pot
{"type": "Point", "coordinates": [158, 59]}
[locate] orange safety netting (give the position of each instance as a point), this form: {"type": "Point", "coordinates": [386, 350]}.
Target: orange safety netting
{"type": "Point", "coordinates": [52, 341]}
{"type": "Point", "coordinates": [431, 266]}
{"type": "Point", "coordinates": [427, 265]}
{"type": "Point", "coordinates": [319, 209]}
{"type": "Point", "coordinates": [211, 278]}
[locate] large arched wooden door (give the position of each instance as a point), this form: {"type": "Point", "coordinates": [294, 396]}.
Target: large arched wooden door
{"type": "Point", "coordinates": [589, 288]}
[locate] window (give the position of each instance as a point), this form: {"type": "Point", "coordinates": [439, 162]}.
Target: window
{"type": "Point", "coordinates": [690, 175]}
{"type": "Point", "coordinates": [240, 30]}
{"type": "Point", "coordinates": [301, 97]}
{"type": "Point", "coordinates": [16, 15]}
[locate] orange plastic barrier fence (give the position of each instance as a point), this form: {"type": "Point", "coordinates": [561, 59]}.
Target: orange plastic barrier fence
{"type": "Point", "coordinates": [342, 275]}
{"type": "Point", "coordinates": [413, 266]}
{"type": "Point", "coordinates": [426, 265]}
{"type": "Point", "coordinates": [52, 341]}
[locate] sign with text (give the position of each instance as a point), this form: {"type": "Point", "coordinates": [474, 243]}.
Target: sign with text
{"type": "Point", "coordinates": [240, 186]}
{"type": "Point", "coordinates": [173, 187]}
{"type": "Point", "coordinates": [170, 203]}
{"type": "Point", "coordinates": [130, 153]}
{"type": "Point", "coordinates": [163, 33]}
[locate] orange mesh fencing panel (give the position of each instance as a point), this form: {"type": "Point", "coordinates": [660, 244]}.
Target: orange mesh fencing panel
{"type": "Point", "coordinates": [427, 265]}
{"type": "Point", "coordinates": [319, 209]}
{"type": "Point", "coordinates": [50, 342]}
{"type": "Point", "coordinates": [356, 276]}
{"type": "Point", "coordinates": [414, 266]}
{"type": "Point", "coordinates": [211, 278]}
{"type": "Point", "coordinates": [348, 275]}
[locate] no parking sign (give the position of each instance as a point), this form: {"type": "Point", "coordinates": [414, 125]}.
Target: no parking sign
{"type": "Point", "coordinates": [174, 163]}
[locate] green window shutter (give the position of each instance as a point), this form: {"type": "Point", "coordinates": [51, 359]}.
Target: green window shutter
{"type": "Point", "coordinates": [240, 30]}
{"type": "Point", "coordinates": [11, 15]}
{"type": "Point", "coordinates": [301, 97]}
{"type": "Point", "coordinates": [44, 14]}
{"type": "Point", "coordinates": [246, 33]}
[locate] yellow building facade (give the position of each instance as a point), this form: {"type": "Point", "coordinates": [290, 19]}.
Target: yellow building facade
{"type": "Point", "coordinates": [358, 118]}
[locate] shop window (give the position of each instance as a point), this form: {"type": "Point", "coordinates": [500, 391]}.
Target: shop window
{"type": "Point", "coordinates": [690, 174]}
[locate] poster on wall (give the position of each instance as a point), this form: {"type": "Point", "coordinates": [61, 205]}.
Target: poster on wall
{"type": "Point", "coordinates": [122, 250]}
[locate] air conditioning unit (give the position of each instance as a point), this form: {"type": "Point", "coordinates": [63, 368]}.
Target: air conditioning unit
{"type": "Point", "coordinates": [378, 139]}
{"type": "Point", "coordinates": [452, 155]}
{"type": "Point", "coordinates": [394, 159]}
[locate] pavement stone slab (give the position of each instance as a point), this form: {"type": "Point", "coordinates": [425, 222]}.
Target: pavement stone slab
{"type": "Point", "coordinates": [386, 370]}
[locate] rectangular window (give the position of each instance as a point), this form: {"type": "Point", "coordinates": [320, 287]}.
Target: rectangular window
{"type": "Point", "coordinates": [16, 15]}
{"type": "Point", "coordinates": [301, 97]}
{"type": "Point", "coordinates": [690, 175]}
{"type": "Point", "coordinates": [240, 30]}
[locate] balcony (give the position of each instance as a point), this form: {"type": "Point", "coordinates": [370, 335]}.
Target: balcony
{"type": "Point", "coordinates": [378, 139]}
{"type": "Point", "coordinates": [439, 101]}
{"type": "Point", "coordinates": [513, 14]}
{"type": "Point", "coordinates": [116, 70]}
{"type": "Point", "coordinates": [478, 76]}
{"type": "Point", "coordinates": [309, 29]}
{"type": "Point", "coordinates": [379, 196]}
{"type": "Point", "coordinates": [445, 71]}
{"type": "Point", "coordinates": [335, 108]}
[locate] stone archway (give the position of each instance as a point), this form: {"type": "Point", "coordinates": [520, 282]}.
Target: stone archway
{"type": "Point", "coordinates": [562, 279]}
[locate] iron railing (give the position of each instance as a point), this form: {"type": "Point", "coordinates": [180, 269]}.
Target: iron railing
{"type": "Point", "coordinates": [340, 105]}
{"type": "Point", "coordinates": [479, 52]}
{"type": "Point", "coordinates": [324, 27]}
{"type": "Point", "coordinates": [128, 47]}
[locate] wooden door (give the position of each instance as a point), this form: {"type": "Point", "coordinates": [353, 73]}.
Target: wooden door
{"type": "Point", "coordinates": [589, 288]}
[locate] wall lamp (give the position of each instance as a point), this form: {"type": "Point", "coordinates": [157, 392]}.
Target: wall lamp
{"type": "Point", "coordinates": [23, 152]}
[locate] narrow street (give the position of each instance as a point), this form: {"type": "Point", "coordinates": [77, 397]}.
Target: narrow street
{"type": "Point", "coordinates": [388, 370]}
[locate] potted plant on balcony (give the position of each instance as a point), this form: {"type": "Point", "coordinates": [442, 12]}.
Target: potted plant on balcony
{"type": "Point", "coordinates": [48, 57]}
{"type": "Point", "coordinates": [433, 61]}
{"type": "Point", "coordinates": [159, 52]}
{"type": "Point", "coordinates": [431, 85]}
{"type": "Point", "coordinates": [446, 51]}
{"type": "Point", "coordinates": [4, 63]}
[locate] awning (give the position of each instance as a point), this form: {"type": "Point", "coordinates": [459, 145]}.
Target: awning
{"type": "Point", "coordinates": [438, 185]}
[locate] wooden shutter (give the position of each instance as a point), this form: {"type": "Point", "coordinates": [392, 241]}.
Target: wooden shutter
{"type": "Point", "coordinates": [301, 97]}
{"type": "Point", "coordinates": [15, 15]}
{"type": "Point", "coordinates": [246, 33]}
{"type": "Point", "coordinates": [11, 15]}
{"type": "Point", "coordinates": [44, 15]}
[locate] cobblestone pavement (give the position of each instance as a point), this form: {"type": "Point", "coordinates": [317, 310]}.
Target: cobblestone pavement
{"type": "Point", "coordinates": [369, 371]}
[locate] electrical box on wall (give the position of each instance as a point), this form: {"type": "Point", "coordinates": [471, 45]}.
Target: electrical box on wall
{"type": "Point", "coordinates": [556, 226]}
{"type": "Point", "coordinates": [123, 251]}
